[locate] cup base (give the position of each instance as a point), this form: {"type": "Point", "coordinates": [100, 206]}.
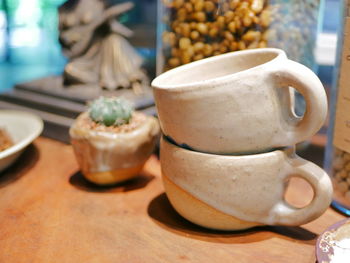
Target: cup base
{"type": "Point", "coordinates": [113, 177]}
{"type": "Point", "coordinates": [199, 212]}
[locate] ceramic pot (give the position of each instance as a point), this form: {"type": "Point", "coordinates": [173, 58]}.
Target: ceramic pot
{"type": "Point", "coordinates": [107, 157]}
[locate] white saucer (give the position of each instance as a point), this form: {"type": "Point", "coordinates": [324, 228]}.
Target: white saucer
{"type": "Point", "coordinates": [333, 245]}
{"type": "Point", "coordinates": [22, 127]}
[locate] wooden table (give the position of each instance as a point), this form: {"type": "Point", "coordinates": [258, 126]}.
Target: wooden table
{"type": "Point", "coordinates": [49, 213]}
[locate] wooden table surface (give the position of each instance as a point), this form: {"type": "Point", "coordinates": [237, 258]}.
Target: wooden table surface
{"type": "Point", "coordinates": [49, 213]}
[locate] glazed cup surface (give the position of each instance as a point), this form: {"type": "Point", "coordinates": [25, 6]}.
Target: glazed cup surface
{"type": "Point", "coordinates": [239, 102]}
{"type": "Point", "coordinates": [250, 188]}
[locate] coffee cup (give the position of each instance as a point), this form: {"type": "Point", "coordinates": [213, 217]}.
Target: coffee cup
{"type": "Point", "coordinates": [237, 192]}
{"type": "Point", "coordinates": [239, 102]}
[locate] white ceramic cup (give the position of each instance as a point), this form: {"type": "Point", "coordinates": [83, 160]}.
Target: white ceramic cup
{"type": "Point", "coordinates": [239, 102]}
{"type": "Point", "coordinates": [249, 188]}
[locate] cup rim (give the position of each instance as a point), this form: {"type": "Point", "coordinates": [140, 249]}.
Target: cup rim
{"type": "Point", "coordinates": [288, 150]}
{"type": "Point", "coordinates": [160, 81]}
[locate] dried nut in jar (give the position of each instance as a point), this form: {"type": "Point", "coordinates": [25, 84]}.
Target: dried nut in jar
{"type": "Point", "coordinates": [202, 28]}
{"type": "Point", "coordinates": [200, 16]}
{"type": "Point", "coordinates": [190, 51]}
{"type": "Point", "coordinates": [213, 32]}
{"type": "Point", "coordinates": [181, 14]}
{"type": "Point", "coordinates": [253, 45]}
{"type": "Point", "coordinates": [251, 36]}
{"type": "Point", "coordinates": [341, 172]}
{"type": "Point", "coordinates": [233, 4]}
{"type": "Point", "coordinates": [220, 21]}
{"type": "Point", "coordinates": [338, 152]}
{"type": "Point", "coordinates": [215, 46]}
{"type": "Point", "coordinates": [265, 18]}
{"type": "Point", "coordinates": [186, 30]}
{"type": "Point", "coordinates": [178, 3]}
{"type": "Point", "coordinates": [209, 6]}
{"type": "Point", "coordinates": [184, 43]}
{"type": "Point", "coordinates": [228, 17]}
{"type": "Point", "coordinates": [256, 20]}
{"type": "Point", "coordinates": [241, 45]}
{"type": "Point", "coordinates": [198, 57]}
{"type": "Point", "coordinates": [174, 62]}
{"type": "Point", "coordinates": [185, 57]}
{"type": "Point", "coordinates": [243, 7]}
{"type": "Point", "coordinates": [228, 35]}
{"type": "Point", "coordinates": [194, 35]}
{"type": "Point", "coordinates": [233, 46]}
{"type": "Point", "coordinates": [338, 163]}
{"type": "Point", "coordinates": [199, 5]}
{"type": "Point", "coordinates": [257, 6]}
{"type": "Point", "coordinates": [247, 21]}
{"type": "Point", "coordinates": [175, 52]}
{"type": "Point", "coordinates": [223, 49]}
{"type": "Point", "coordinates": [199, 46]}
{"type": "Point", "coordinates": [207, 50]}
{"type": "Point", "coordinates": [188, 7]}
{"type": "Point", "coordinates": [232, 25]}
{"type": "Point", "coordinates": [338, 179]}
{"type": "Point", "coordinates": [225, 43]}
{"type": "Point", "coordinates": [342, 187]}
{"type": "Point", "coordinates": [262, 44]}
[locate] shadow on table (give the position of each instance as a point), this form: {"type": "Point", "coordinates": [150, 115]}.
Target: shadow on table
{"type": "Point", "coordinates": [313, 153]}
{"type": "Point", "coordinates": [23, 164]}
{"type": "Point", "coordinates": [161, 211]}
{"type": "Point", "coordinates": [79, 182]}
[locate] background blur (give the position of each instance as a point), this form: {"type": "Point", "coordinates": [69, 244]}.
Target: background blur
{"type": "Point", "coordinates": [29, 46]}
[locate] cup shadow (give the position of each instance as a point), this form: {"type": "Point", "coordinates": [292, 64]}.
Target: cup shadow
{"type": "Point", "coordinates": [164, 215]}
{"type": "Point", "coordinates": [20, 167]}
{"type": "Point", "coordinates": [140, 181]}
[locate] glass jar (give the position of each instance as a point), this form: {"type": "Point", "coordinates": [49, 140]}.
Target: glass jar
{"type": "Point", "coordinates": [190, 30]}
{"type": "Point", "coordinates": [337, 160]}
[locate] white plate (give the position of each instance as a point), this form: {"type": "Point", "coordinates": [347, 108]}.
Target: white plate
{"type": "Point", "coordinates": [23, 127]}
{"type": "Point", "coordinates": [333, 245]}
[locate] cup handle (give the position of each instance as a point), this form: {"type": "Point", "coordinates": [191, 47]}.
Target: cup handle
{"type": "Point", "coordinates": [321, 185]}
{"type": "Point", "coordinates": [295, 75]}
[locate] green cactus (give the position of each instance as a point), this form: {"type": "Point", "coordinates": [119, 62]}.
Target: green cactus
{"type": "Point", "coordinates": [111, 111]}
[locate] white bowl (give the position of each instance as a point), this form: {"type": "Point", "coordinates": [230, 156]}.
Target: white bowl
{"type": "Point", "coordinates": [23, 128]}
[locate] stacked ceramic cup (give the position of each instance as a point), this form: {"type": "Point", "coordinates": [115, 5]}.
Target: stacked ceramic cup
{"type": "Point", "coordinates": [229, 134]}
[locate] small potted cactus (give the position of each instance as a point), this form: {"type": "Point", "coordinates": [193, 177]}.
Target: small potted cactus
{"type": "Point", "coordinates": [112, 141]}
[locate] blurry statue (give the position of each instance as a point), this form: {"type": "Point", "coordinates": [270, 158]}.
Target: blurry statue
{"type": "Point", "coordinates": [96, 46]}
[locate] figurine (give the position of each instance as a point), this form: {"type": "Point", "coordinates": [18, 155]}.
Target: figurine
{"type": "Point", "coordinates": [95, 43]}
